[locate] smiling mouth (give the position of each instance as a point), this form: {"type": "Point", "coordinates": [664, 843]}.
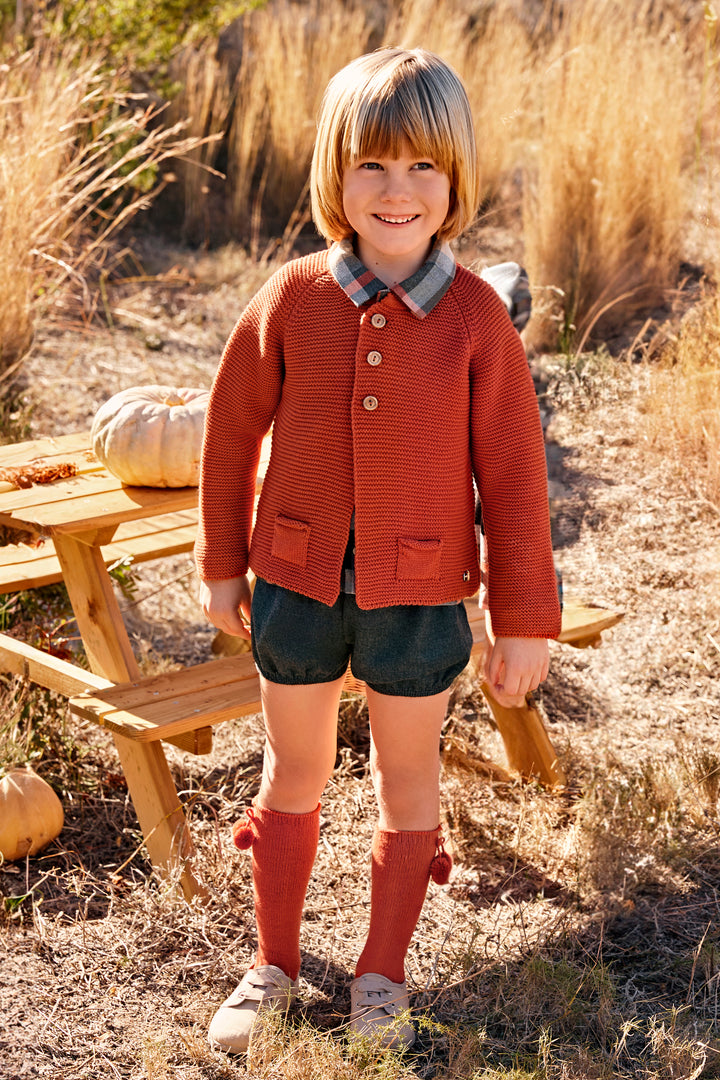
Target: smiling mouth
{"type": "Point", "coordinates": [396, 220]}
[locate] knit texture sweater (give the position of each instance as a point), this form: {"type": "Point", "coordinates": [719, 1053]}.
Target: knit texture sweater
{"type": "Point", "coordinates": [389, 415]}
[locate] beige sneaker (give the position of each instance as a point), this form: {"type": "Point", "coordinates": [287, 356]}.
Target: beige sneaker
{"type": "Point", "coordinates": [379, 1009]}
{"type": "Point", "coordinates": [264, 987]}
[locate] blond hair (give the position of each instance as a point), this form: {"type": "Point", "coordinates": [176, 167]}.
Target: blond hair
{"type": "Point", "coordinates": [376, 104]}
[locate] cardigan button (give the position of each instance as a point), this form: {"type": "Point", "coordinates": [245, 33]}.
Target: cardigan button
{"type": "Point", "coordinates": [370, 403]}
{"type": "Point", "coordinates": [374, 358]}
{"type": "Point", "coordinates": [378, 320]}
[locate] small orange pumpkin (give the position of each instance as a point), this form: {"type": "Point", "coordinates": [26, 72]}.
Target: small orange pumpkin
{"type": "Point", "coordinates": [31, 815]}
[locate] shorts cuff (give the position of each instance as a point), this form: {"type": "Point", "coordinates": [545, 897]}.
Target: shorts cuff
{"type": "Point", "coordinates": [297, 680]}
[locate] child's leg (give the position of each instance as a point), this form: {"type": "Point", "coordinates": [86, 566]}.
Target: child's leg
{"type": "Point", "coordinates": [405, 765]}
{"type": "Point", "coordinates": [300, 743]}
{"type": "Point", "coordinates": [300, 751]}
{"type": "Point", "coordinates": [282, 828]}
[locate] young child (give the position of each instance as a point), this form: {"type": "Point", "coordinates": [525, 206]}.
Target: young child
{"type": "Point", "coordinates": [394, 379]}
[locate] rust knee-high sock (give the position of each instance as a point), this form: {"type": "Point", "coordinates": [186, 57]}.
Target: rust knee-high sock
{"type": "Point", "coordinates": [283, 853]}
{"type": "Point", "coordinates": [402, 865]}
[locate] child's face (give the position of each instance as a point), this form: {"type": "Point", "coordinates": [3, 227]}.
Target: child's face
{"type": "Point", "coordinates": [395, 205]}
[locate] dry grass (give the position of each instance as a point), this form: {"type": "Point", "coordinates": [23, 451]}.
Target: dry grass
{"type": "Point", "coordinates": [683, 400]}
{"type": "Point", "coordinates": [601, 117]}
{"type": "Point", "coordinates": [39, 94]}
{"type": "Point", "coordinates": [75, 165]}
{"type": "Point", "coordinates": [204, 104]}
{"type": "Point", "coordinates": [604, 201]}
{"type": "Point", "coordinates": [273, 123]}
{"type": "Point", "coordinates": [526, 967]}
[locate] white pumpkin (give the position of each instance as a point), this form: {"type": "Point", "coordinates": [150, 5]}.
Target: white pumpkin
{"type": "Point", "coordinates": [151, 436]}
{"type": "Point", "coordinates": [31, 815]}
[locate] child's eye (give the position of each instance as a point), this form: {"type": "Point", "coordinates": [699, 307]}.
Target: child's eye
{"type": "Point", "coordinates": [370, 165]}
{"type": "Point", "coordinates": [423, 165]}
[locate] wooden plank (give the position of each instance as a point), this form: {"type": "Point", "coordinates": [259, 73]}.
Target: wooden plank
{"type": "Point", "coordinates": [198, 742]}
{"type": "Point", "coordinates": [526, 741]}
{"type": "Point", "coordinates": [84, 503]}
{"type": "Point", "coordinates": [39, 500]}
{"type": "Point", "coordinates": [171, 716]}
{"type": "Point", "coordinates": [159, 811]}
{"type": "Point", "coordinates": [68, 679]}
{"type": "Point", "coordinates": [84, 464]}
{"type": "Point", "coordinates": [98, 616]}
{"type": "Point", "coordinates": [583, 624]}
{"type": "Point", "coordinates": [168, 687]}
{"type": "Point", "coordinates": [143, 532]}
{"type": "Point", "coordinates": [26, 566]}
{"type": "Point", "coordinates": [580, 620]}
{"type": "Point", "coordinates": [32, 664]}
{"type": "Point", "coordinates": [50, 448]}
{"type": "Point", "coordinates": [527, 744]}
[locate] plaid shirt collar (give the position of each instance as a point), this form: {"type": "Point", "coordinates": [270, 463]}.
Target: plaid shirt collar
{"type": "Point", "coordinates": [420, 293]}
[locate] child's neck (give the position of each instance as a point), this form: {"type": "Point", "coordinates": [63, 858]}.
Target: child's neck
{"type": "Point", "coordinates": [391, 270]}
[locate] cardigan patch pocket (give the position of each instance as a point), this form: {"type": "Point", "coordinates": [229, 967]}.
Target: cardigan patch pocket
{"type": "Point", "coordinates": [290, 540]}
{"type": "Point", "coordinates": [418, 560]}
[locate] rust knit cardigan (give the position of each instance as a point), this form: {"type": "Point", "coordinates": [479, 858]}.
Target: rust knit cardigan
{"type": "Point", "coordinates": [390, 415]}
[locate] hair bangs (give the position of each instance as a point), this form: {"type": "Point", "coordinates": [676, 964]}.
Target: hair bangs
{"type": "Point", "coordinates": [399, 114]}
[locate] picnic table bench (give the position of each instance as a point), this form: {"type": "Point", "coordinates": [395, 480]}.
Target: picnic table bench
{"type": "Point", "coordinates": [87, 521]}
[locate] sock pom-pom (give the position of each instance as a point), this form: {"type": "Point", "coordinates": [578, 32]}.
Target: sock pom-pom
{"type": "Point", "coordinates": [440, 868]}
{"type": "Point", "coordinates": [243, 836]}
{"type": "Point", "coordinates": [243, 832]}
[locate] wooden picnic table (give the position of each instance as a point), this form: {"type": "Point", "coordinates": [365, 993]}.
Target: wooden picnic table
{"type": "Point", "coordinates": [86, 520]}
{"type": "Point", "coordinates": [79, 515]}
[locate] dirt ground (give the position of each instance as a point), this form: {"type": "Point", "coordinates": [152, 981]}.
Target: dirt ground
{"type": "Point", "coordinates": [104, 972]}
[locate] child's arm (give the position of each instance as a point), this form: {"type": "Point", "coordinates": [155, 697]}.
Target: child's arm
{"type": "Point", "coordinates": [244, 398]}
{"type": "Point", "coordinates": [227, 604]}
{"type": "Point", "coordinates": [508, 454]}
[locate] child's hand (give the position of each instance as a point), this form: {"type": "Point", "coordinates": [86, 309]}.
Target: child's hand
{"type": "Point", "coordinates": [514, 666]}
{"type": "Point", "coordinates": [227, 604]}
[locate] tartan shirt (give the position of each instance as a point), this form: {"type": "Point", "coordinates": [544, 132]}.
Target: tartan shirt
{"type": "Point", "coordinates": [420, 293]}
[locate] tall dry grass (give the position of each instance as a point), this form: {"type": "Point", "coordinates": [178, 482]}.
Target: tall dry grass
{"type": "Point", "coordinates": [266, 112]}
{"type": "Point", "coordinates": [705, 187]}
{"type": "Point", "coordinates": [682, 407]}
{"type": "Point", "coordinates": [76, 162]}
{"type": "Point", "coordinates": [39, 93]}
{"type": "Point", "coordinates": [604, 199]}
{"type": "Point", "coordinates": [204, 104]}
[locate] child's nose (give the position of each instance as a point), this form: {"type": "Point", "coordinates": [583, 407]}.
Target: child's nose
{"type": "Point", "coordinates": [396, 187]}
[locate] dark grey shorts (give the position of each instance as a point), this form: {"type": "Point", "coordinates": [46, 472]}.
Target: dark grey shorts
{"type": "Point", "coordinates": [404, 651]}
